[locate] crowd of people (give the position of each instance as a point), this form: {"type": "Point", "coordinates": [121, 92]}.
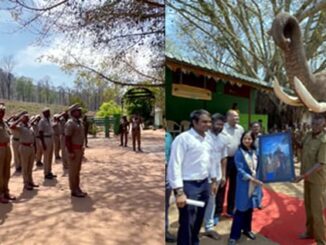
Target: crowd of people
{"type": "Point", "coordinates": [214, 153]}
{"type": "Point", "coordinates": [39, 139]}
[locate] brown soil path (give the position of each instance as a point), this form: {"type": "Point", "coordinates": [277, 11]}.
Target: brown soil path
{"type": "Point", "coordinates": [125, 204]}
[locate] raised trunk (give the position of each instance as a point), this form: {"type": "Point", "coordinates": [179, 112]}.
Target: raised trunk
{"type": "Point", "coordinates": [287, 35]}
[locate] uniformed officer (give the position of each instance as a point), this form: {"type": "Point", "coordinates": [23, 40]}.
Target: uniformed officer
{"type": "Point", "coordinates": [62, 121]}
{"type": "Point", "coordinates": [135, 132]}
{"type": "Point", "coordinates": [46, 137]}
{"type": "Point", "coordinates": [15, 147]}
{"type": "Point", "coordinates": [86, 129]}
{"type": "Point", "coordinates": [74, 133]}
{"type": "Point", "coordinates": [39, 147]}
{"type": "Point", "coordinates": [5, 158]}
{"type": "Point", "coordinates": [56, 136]}
{"type": "Point", "coordinates": [313, 171]}
{"type": "Point", "coordinates": [27, 149]}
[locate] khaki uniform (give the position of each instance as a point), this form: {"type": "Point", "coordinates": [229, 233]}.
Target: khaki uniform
{"type": "Point", "coordinates": [75, 129]}
{"type": "Point", "coordinates": [64, 155]}
{"type": "Point", "coordinates": [27, 152]}
{"type": "Point", "coordinates": [15, 148]}
{"type": "Point", "coordinates": [45, 126]}
{"type": "Point", "coordinates": [314, 151]}
{"type": "Point", "coordinates": [39, 148]}
{"type": "Point", "coordinates": [5, 159]}
{"type": "Point", "coordinates": [56, 139]}
{"type": "Point", "coordinates": [135, 133]}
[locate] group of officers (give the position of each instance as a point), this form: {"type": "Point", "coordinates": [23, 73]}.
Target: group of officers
{"type": "Point", "coordinates": [39, 138]}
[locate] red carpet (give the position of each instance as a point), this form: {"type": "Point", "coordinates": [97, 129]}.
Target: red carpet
{"type": "Point", "coordinates": [282, 219]}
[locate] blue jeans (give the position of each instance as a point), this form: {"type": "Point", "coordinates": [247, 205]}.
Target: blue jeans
{"type": "Point", "coordinates": [191, 217]}
{"type": "Point", "coordinates": [209, 213]}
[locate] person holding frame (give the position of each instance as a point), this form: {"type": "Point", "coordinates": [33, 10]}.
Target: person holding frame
{"type": "Point", "coordinates": [248, 188]}
{"type": "Point", "coordinates": [313, 172]}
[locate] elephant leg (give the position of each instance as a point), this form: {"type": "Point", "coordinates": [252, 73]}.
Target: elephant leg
{"type": "Point", "coordinates": [306, 97]}
{"type": "Point", "coordinates": [284, 97]}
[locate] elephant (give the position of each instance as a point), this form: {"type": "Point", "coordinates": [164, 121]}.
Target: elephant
{"type": "Point", "coordinates": [309, 88]}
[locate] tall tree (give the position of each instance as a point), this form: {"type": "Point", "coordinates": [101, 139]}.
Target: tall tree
{"type": "Point", "coordinates": [7, 64]}
{"type": "Point", "coordinates": [233, 35]}
{"type": "Point", "coordinates": [116, 29]}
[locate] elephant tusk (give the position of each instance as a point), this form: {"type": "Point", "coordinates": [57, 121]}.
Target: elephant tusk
{"type": "Point", "coordinates": [307, 98]}
{"type": "Point", "coordinates": [284, 97]}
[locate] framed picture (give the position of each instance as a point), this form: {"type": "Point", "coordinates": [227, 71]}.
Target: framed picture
{"type": "Point", "coordinates": [275, 161]}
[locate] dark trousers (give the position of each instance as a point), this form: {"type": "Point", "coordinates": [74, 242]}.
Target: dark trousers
{"type": "Point", "coordinates": [135, 138]}
{"type": "Point", "coordinates": [168, 191]}
{"type": "Point", "coordinates": [241, 222]}
{"type": "Point", "coordinates": [231, 175]}
{"type": "Point", "coordinates": [191, 217]}
{"type": "Point", "coordinates": [123, 137]}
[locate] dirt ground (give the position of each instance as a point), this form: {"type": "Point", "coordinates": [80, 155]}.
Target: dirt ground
{"type": "Point", "coordinates": [125, 203]}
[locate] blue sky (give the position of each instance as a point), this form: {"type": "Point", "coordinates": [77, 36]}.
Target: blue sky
{"type": "Point", "coordinates": [22, 46]}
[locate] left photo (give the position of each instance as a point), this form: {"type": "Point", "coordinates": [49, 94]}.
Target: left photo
{"type": "Point", "coordinates": [81, 122]}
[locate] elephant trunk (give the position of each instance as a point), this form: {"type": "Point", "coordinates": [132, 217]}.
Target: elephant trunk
{"type": "Point", "coordinates": [287, 35]}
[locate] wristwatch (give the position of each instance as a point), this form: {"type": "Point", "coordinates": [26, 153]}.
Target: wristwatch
{"type": "Point", "coordinates": [178, 192]}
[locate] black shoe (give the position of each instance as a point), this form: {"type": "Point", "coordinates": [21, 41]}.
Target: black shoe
{"type": "Point", "coordinates": [33, 185]}
{"type": "Point", "coordinates": [39, 164]}
{"type": "Point", "coordinates": [29, 187]}
{"type": "Point", "coordinates": [18, 169]}
{"type": "Point", "coordinates": [232, 242]}
{"type": "Point", "coordinates": [212, 234]}
{"type": "Point", "coordinates": [9, 197]}
{"type": "Point", "coordinates": [58, 158]}
{"type": "Point", "coordinates": [170, 238]}
{"type": "Point", "coordinates": [53, 175]}
{"type": "Point", "coordinates": [48, 176]}
{"type": "Point", "coordinates": [78, 194]}
{"type": "Point", "coordinates": [250, 235]}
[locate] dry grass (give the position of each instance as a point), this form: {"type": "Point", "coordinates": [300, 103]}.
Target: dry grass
{"type": "Point", "coordinates": [13, 107]}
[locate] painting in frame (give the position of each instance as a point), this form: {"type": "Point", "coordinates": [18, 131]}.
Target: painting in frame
{"type": "Point", "coordinates": [275, 160]}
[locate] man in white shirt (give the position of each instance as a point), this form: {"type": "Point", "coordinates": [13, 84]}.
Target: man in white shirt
{"type": "Point", "coordinates": [218, 158]}
{"type": "Point", "coordinates": [188, 172]}
{"type": "Point", "coordinates": [233, 132]}
{"type": "Point", "coordinates": [255, 128]}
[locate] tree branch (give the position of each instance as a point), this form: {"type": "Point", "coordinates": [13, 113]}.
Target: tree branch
{"type": "Point", "coordinates": [39, 9]}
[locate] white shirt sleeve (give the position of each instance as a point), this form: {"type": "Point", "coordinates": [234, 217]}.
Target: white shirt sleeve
{"type": "Point", "coordinates": [178, 151]}
{"type": "Point", "coordinates": [212, 173]}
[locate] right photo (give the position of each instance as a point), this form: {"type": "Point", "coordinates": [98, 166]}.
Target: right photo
{"type": "Point", "coordinates": [245, 140]}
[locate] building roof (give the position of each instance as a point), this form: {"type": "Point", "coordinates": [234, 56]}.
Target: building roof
{"type": "Point", "coordinates": [174, 61]}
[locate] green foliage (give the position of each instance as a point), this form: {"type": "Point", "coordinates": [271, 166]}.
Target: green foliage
{"type": "Point", "coordinates": [108, 109]}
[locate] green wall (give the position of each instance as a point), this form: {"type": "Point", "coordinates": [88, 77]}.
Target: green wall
{"type": "Point", "coordinates": [178, 109]}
